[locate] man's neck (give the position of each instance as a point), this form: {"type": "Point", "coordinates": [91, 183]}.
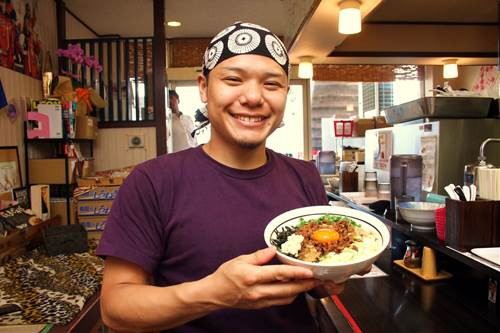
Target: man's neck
{"type": "Point", "coordinates": [237, 157]}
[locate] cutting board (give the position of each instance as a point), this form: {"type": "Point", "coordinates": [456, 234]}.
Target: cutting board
{"type": "Point", "coordinates": [489, 253]}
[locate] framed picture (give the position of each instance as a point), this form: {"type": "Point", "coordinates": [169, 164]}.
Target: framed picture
{"type": "Point", "coordinates": [10, 171]}
{"type": "Point", "coordinates": [22, 196]}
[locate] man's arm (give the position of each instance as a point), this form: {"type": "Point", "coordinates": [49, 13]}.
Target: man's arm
{"type": "Point", "coordinates": [128, 302]}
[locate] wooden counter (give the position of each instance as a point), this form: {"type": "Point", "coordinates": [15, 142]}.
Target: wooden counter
{"type": "Point", "coordinates": [401, 302]}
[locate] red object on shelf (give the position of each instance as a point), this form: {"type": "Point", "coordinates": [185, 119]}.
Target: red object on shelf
{"type": "Point", "coordinates": [343, 127]}
{"type": "Point", "coordinates": [441, 223]}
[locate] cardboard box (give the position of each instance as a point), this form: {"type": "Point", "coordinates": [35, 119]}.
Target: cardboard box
{"type": "Point", "coordinates": [100, 181]}
{"type": "Point", "coordinates": [51, 171]}
{"type": "Point", "coordinates": [349, 154]}
{"type": "Point", "coordinates": [359, 156]}
{"type": "Point", "coordinates": [54, 113]}
{"type": "Point", "coordinates": [40, 201]}
{"type": "Point", "coordinates": [58, 208]}
{"type": "Point", "coordinates": [362, 125]}
{"type": "Point", "coordinates": [94, 234]}
{"type": "Point", "coordinates": [380, 122]}
{"type": "Point", "coordinates": [86, 127]}
{"type": "Point", "coordinates": [100, 193]}
{"type": "Point", "coordinates": [94, 207]}
{"type": "Point", "coordinates": [93, 223]}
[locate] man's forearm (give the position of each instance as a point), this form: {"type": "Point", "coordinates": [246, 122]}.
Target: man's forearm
{"type": "Point", "coordinates": [148, 308]}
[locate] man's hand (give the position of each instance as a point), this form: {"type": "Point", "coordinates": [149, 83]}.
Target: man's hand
{"type": "Point", "coordinates": [244, 283]}
{"type": "Point", "coordinates": [329, 288]}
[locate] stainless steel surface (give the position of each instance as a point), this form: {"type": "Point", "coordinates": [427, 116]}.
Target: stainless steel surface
{"type": "Point", "coordinates": [482, 157]}
{"type": "Point", "coordinates": [406, 176]}
{"type": "Point", "coordinates": [439, 107]}
{"type": "Point", "coordinates": [458, 142]}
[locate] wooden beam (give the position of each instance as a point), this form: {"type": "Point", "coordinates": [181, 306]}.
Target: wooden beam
{"type": "Point", "coordinates": [61, 28]}
{"type": "Point", "coordinates": [159, 75]}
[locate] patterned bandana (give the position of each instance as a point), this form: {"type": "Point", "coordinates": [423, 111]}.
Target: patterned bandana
{"type": "Point", "coordinates": [244, 38]}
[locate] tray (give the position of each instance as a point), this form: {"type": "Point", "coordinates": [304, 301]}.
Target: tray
{"type": "Point", "coordinates": [491, 254]}
{"type": "Point", "coordinates": [441, 275]}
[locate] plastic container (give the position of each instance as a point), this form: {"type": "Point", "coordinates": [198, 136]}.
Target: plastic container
{"type": "Point", "coordinates": [441, 223]}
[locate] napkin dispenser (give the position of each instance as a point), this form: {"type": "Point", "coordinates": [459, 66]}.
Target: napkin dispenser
{"type": "Point", "coordinates": [471, 224]}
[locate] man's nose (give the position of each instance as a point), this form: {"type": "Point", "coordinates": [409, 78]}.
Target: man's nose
{"type": "Point", "coordinates": [252, 94]}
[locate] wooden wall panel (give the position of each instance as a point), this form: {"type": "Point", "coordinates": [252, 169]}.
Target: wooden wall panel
{"type": "Point", "coordinates": [111, 148]}
{"type": "Point", "coordinates": [17, 88]}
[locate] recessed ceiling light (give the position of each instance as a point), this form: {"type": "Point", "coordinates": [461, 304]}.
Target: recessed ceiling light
{"type": "Point", "coordinates": [173, 23]}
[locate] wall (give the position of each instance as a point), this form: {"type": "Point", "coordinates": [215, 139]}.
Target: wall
{"type": "Point", "coordinates": [75, 30]}
{"type": "Point", "coordinates": [18, 86]}
{"type": "Point", "coordinates": [111, 148]}
{"type": "Point", "coordinates": [467, 76]}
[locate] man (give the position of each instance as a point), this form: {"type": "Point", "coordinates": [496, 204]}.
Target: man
{"type": "Point", "coordinates": [182, 126]}
{"type": "Point", "coordinates": [184, 242]}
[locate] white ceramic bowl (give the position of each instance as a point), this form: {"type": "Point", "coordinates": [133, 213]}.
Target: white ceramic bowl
{"type": "Point", "coordinates": [422, 215]}
{"type": "Point", "coordinates": [338, 272]}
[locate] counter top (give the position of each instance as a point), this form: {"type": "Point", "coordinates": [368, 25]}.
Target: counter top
{"type": "Point", "coordinates": [426, 238]}
{"type": "Point", "coordinates": [402, 302]}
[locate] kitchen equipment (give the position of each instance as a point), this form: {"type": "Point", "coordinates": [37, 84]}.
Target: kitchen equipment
{"type": "Point", "coordinates": [439, 107]}
{"type": "Point", "coordinates": [325, 162]}
{"type": "Point", "coordinates": [406, 177]}
{"type": "Point", "coordinates": [421, 215]}
{"type": "Point", "coordinates": [471, 224]}
{"type": "Point", "coordinates": [441, 223]}
{"type": "Point", "coordinates": [460, 193]}
{"type": "Point", "coordinates": [437, 198]}
{"type": "Point", "coordinates": [337, 272]}
{"type": "Point", "coordinates": [450, 145]}
{"type": "Point", "coordinates": [384, 191]}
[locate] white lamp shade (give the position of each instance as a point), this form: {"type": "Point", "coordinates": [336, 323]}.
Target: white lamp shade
{"type": "Point", "coordinates": [450, 69]}
{"type": "Point", "coordinates": [349, 17]}
{"type": "Point", "coordinates": [305, 69]}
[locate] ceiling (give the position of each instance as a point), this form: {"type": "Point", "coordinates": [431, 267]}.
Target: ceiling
{"type": "Point", "coordinates": [394, 31]}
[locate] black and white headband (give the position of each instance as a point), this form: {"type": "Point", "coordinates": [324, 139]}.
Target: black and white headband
{"type": "Point", "coordinates": [244, 38]}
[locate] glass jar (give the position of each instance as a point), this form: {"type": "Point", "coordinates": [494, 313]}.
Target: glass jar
{"type": "Point", "coordinates": [413, 255]}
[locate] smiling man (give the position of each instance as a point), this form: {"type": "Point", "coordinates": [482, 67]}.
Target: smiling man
{"type": "Point", "coordinates": [184, 242]}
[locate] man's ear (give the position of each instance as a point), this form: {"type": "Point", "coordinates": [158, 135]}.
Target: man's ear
{"type": "Point", "coordinates": [203, 87]}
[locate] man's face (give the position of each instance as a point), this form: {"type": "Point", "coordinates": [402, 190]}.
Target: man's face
{"type": "Point", "coordinates": [246, 98]}
{"type": "Point", "coordinates": [173, 102]}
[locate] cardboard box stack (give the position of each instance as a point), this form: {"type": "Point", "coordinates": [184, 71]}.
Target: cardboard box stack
{"type": "Point", "coordinates": [95, 197]}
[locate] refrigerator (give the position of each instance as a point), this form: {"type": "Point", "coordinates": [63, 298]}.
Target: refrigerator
{"type": "Point", "coordinates": [446, 146]}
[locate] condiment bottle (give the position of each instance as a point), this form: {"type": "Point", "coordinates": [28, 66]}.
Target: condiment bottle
{"type": "Point", "coordinates": [413, 255]}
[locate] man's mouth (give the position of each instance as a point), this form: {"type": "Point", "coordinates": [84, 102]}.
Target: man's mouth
{"type": "Point", "coordinates": [249, 119]}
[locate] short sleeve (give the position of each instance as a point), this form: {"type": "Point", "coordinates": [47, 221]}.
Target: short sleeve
{"type": "Point", "coordinates": [134, 231]}
{"type": "Point", "coordinates": [317, 190]}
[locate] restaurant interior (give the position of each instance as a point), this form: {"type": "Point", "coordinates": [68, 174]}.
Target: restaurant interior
{"type": "Point", "coordinates": [397, 106]}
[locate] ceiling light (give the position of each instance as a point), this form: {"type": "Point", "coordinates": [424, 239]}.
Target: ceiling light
{"type": "Point", "coordinates": [305, 68]}
{"type": "Point", "coordinates": [450, 69]}
{"type": "Point", "coordinates": [349, 17]}
{"type": "Point", "coordinates": [174, 23]}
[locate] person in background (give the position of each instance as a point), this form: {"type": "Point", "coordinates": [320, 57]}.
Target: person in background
{"type": "Point", "coordinates": [182, 125]}
{"type": "Point", "coordinates": [184, 243]}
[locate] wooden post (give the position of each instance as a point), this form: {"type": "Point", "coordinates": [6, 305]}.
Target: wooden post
{"type": "Point", "coordinates": [159, 76]}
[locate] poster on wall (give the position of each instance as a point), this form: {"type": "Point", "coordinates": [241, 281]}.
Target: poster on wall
{"type": "Point", "coordinates": [20, 45]}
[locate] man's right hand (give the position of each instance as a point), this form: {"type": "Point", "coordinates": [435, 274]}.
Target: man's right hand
{"type": "Point", "coordinates": [244, 283]}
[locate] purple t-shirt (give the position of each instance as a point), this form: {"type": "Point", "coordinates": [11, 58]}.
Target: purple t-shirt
{"type": "Point", "coordinates": [180, 216]}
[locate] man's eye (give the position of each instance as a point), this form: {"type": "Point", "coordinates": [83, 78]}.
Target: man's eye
{"type": "Point", "coordinates": [273, 84]}
{"type": "Point", "coordinates": [233, 79]}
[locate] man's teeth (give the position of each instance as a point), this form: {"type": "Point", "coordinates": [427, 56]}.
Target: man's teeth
{"type": "Point", "coordinates": [249, 119]}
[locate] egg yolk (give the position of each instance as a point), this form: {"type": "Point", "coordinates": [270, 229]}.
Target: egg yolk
{"type": "Point", "coordinates": [325, 235]}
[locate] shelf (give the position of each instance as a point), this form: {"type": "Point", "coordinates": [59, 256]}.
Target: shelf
{"type": "Point", "coordinates": [58, 139]}
{"type": "Point", "coordinates": [426, 238]}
